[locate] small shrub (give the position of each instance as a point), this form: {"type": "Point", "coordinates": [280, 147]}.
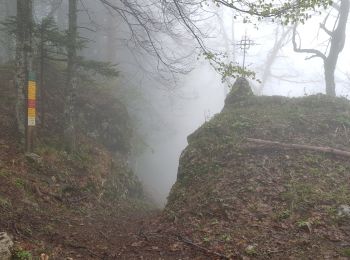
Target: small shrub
{"type": "Point", "coordinates": [20, 254]}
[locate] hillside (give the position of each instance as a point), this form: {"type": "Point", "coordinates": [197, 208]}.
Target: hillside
{"type": "Point", "coordinates": [267, 178]}
{"type": "Point", "coordinates": [252, 199]}
{"type": "Point", "coordinates": [66, 205]}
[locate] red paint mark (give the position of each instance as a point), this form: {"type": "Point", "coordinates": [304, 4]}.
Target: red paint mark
{"type": "Point", "coordinates": [31, 103]}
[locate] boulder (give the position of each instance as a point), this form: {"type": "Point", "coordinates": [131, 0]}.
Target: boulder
{"type": "Point", "coordinates": [239, 92]}
{"type": "Point", "coordinates": [6, 244]}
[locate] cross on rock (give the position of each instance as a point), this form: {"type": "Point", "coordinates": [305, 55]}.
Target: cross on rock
{"type": "Point", "coordinates": [245, 45]}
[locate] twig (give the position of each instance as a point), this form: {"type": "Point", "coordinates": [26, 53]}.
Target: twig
{"type": "Point", "coordinates": [189, 242]}
{"type": "Point", "coordinates": [76, 200]}
{"type": "Point", "coordinates": [323, 149]}
{"type": "Point", "coordinates": [83, 247]}
{"type": "Point", "coordinates": [102, 234]}
{"type": "Point", "coordinates": [143, 235]}
{"type": "Point", "coordinates": [40, 192]}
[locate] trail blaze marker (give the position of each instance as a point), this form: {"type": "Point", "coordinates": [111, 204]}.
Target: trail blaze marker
{"type": "Point", "coordinates": [31, 111]}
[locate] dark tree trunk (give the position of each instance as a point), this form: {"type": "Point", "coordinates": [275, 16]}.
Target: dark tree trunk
{"type": "Point", "coordinates": [69, 110]}
{"type": "Point", "coordinates": [23, 50]}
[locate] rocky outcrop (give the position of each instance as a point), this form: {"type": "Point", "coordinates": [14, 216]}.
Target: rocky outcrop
{"type": "Point", "coordinates": [240, 192]}
{"type": "Point", "coordinates": [6, 244]}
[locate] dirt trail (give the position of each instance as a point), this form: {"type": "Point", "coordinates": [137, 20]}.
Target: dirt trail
{"type": "Point", "coordinates": [135, 235]}
{"type": "Point", "coordinates": [43, 216]}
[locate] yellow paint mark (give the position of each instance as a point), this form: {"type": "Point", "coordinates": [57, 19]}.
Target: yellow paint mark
{"type": "Point", "coordinates": [31, 112]}
{"type": "Point", "coordinates": [32, 90]}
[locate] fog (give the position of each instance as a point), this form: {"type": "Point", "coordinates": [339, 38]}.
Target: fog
{"type": "Point", "coordinates": [201, 95]}
{"type": "Point", "coordinates": [166, 107]}
{"type": "Point", "coordinates": [165, 112]}
{"type": "Point", "coordinates": [198, 100]}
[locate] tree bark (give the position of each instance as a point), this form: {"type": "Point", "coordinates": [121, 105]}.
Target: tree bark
{"type": "Point", "coordinates": [69, 110]}
{"type": "Point", "coordinates": [329, 70]}
{"type": "Point", "coordinates": [23, 50]}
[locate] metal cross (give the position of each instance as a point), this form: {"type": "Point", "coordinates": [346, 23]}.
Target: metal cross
{"type": "Point", "coordinates": [245, 45]}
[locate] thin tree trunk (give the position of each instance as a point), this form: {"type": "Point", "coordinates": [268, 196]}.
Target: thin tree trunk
{"type": "Point", "coordinates": [69, 110]}
{"type": "Point", "coordinates": [42, 89]}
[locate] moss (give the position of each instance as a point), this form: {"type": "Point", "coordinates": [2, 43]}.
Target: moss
{"type": "Point", "coordinates": [285, 214]}
{"type": "Point", "coordinates": [20, 184]}
{"type": "Point", "coordinates": [346, 252]}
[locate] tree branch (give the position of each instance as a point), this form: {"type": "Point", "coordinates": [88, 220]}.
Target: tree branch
{"type": "Point", "coordinates": [316, 53]}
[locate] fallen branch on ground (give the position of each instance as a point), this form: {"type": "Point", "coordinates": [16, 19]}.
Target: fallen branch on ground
{"type": "Point", "coordinates": [84, 248]}
{"type": "Point", "coordinates": [41, 192]}
{"type": "Point", "coordinates": [206, 250]}
{"type": "Point", "coordinates": [302, 147]}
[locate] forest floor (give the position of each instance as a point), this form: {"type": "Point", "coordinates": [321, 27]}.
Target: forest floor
{"type": "Point", "coordinates": [51, 205]}
{"type": "Point", "coordinates": [232, 199]}
{"type": "Point", "coordinates": [41, 223]}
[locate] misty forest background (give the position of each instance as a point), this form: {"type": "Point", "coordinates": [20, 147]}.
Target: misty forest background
{"type": "Point", "coordinates": [171, 63]}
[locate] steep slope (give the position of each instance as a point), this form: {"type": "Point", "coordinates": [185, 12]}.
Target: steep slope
{"type": "Point", "coordinates": [68, 205]}
{"type": "Point", "coordinates": [252, 199]}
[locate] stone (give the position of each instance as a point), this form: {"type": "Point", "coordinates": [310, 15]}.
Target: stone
{"type": "Point", "coordinates": [239, 92]}
{"type": "Point", "coordinates": [6, 245]}
{"type": "Point", "coordinates": [34, 158]}
{"type": "Point", "coordinates": [344, 211]}
{"type": "Point", "coordinates": [44, 257]}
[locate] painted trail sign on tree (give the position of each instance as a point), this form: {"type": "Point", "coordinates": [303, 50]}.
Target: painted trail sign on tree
{"type": "Point", "coordinates": [31, 108]}
{"type": "Point", "coordinates": [31, 99]}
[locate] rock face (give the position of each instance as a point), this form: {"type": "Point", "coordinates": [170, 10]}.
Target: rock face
{"type": "Point", "coordinates": [250, 199]}
{"type": "Point", "coordinates": [5, 246]}
{"type": "Point", "coordinates": [105, 119]}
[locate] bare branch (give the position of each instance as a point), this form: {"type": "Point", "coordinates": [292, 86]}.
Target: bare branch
{"type": "Point", "coordinates": [323, 26]}
{"type": "Point", "coordinates": [316, 53]}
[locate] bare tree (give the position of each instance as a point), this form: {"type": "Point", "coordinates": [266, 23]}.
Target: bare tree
{"type": "Point", "coordinates": [281, 39]}
{"type": "Point", "coordinates": [336, 44]}
{"type": "Point", "coordinates": [148, 21]}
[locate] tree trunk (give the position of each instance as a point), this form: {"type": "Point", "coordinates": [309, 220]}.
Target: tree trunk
{"type": "Point", "coordinates": [42, 90]}
{"type": "Point", "coordinates": [329, 69]}
{"type": "Point", "coordinates": [336, 47]}
{"type": "Point", "coordinates": [23, 49]}
{"type": "Point", "coordinates": [7, 9]}
{"type": "Point", "coordinates": [69, 110]}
